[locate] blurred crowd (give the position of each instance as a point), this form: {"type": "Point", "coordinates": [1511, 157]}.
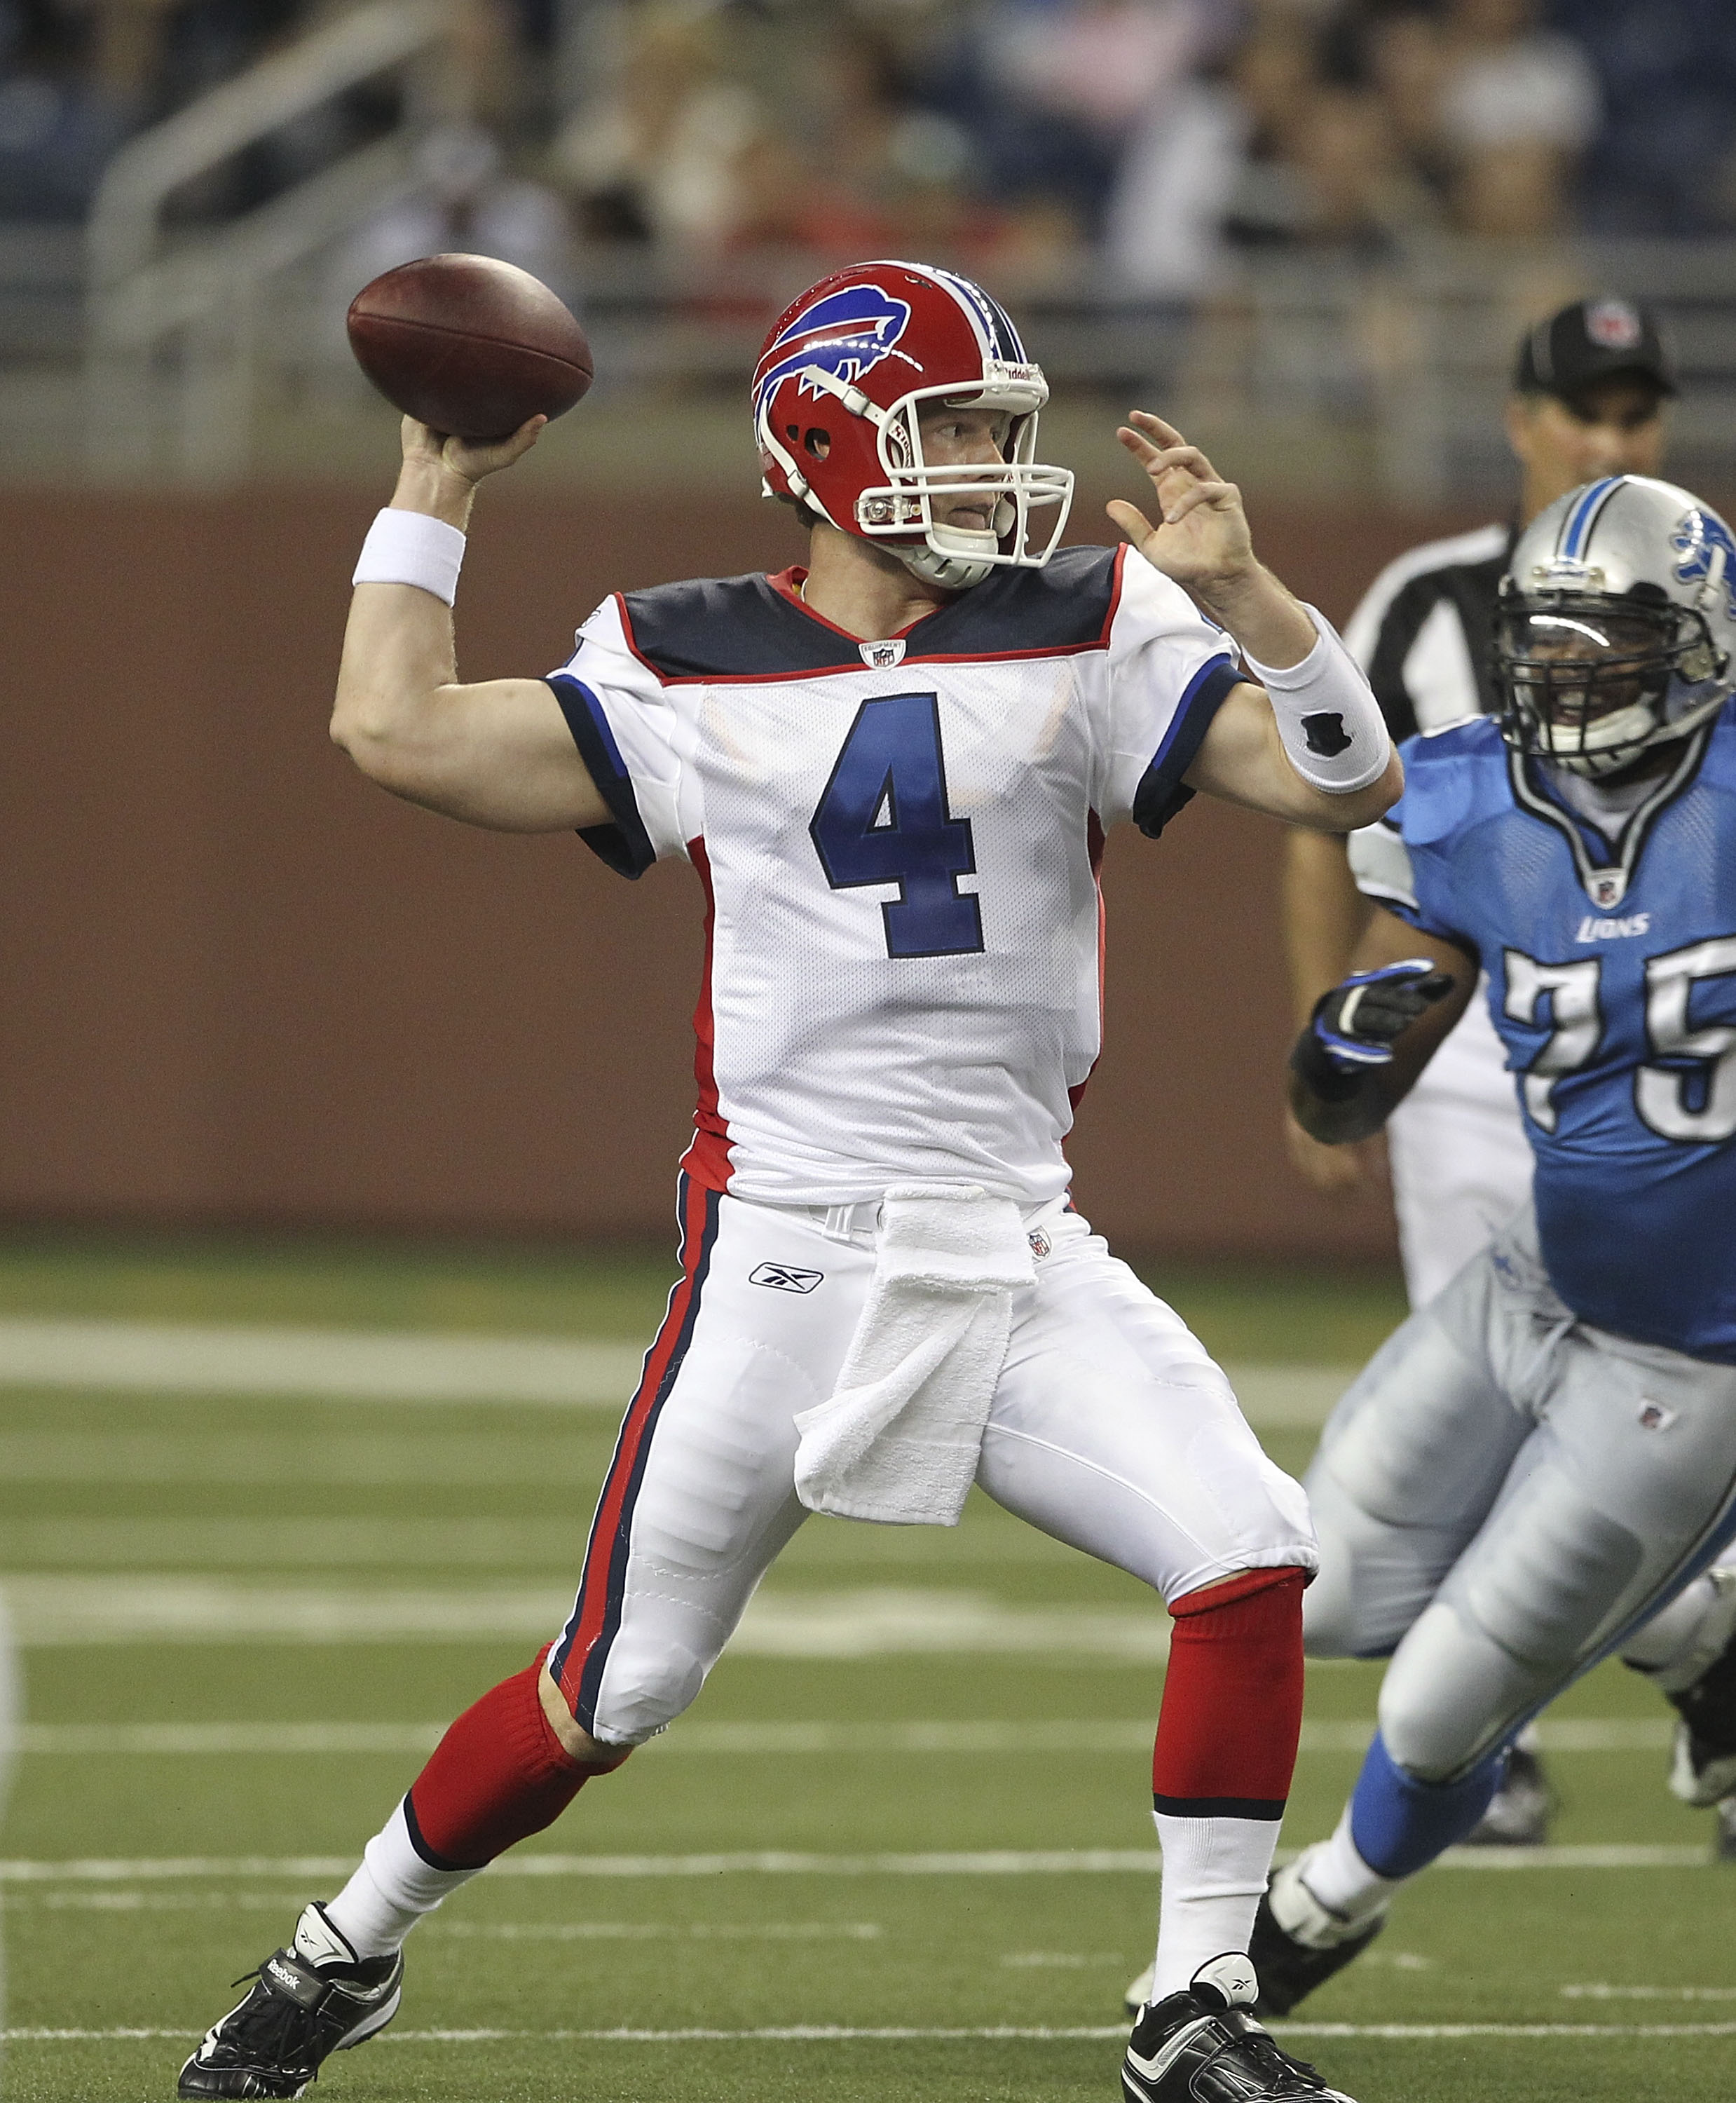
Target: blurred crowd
{"type": "Point", "coordinates": [1156, 136]}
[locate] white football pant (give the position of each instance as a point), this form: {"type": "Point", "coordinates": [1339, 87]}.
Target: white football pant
{"type": "Point", "coordinates": [1112, 1429]}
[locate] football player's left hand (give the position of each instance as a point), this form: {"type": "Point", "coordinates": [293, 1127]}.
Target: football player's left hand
{"type": "Point", "coordinates": [1202, 539]}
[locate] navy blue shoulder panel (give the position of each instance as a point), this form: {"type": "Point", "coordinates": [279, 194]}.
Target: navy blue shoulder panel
{"type": "Point", "coordinates": [743, 627]}
{"type": "Point", "coordinates": [624, 845]}
{"type": "Point", "coordinates": [730, 627]}
{"type": "Point", "coordinates": [1065, 605]}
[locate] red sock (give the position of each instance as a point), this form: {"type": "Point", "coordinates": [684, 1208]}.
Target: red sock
{"type": "Point", "coordinates": [498, 1774]}
{"type": "Point", "coordinates": [1232, 1698]}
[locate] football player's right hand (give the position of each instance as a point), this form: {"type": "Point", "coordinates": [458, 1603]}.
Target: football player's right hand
{"type": "Point", "coordinates": [470, 458]}
{"type": "Point", "coordinates": [1358, 1022]}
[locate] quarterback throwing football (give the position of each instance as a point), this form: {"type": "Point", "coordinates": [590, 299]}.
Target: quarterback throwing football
{"type": "Point", "coordinates": [892, 772]}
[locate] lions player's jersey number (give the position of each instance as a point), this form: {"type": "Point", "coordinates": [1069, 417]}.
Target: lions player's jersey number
{"type": "Point", "coordinates": [1692, 1097]}
{"type": "Point", "coordinates": [884, 819]}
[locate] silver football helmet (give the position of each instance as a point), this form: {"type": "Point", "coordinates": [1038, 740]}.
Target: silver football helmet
{"type": "Point", "coordinates": [1616, 625]}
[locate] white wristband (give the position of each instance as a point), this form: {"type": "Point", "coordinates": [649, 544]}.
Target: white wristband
{"type": "Point", "coordinates": [1332, 730]}
{"type": "Point", "coordinates": [409, 548]}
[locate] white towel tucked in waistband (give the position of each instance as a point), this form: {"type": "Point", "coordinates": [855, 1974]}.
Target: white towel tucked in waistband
{"type": "Point", "coordinates": [899, 1439]}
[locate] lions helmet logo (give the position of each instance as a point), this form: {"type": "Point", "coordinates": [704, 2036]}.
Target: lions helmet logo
{"type": "Point", "coordinates": [846, 334]}
{"type": "Point", "coordinates": [1707, 555]}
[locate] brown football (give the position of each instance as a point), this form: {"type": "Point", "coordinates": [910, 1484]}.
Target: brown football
{"type": "Point", "coordinates": [468, 345]}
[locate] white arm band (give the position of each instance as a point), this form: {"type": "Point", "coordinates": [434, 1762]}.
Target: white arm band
{"type": "Point", "coordinates": [409, 548]}
{"type": "Point", "coordinates": [1333, 734]}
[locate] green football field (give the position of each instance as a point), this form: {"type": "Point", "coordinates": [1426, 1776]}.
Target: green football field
{"type": "Point", "coordinates": [901, 1846]}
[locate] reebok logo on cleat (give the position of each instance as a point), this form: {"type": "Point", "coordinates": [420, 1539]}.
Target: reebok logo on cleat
{"type": "Point", "coordinates": [784, 1278]}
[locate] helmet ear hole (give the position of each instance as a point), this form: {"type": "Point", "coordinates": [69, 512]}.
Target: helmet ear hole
{"type": "Point", "coordinates": [815, 442]}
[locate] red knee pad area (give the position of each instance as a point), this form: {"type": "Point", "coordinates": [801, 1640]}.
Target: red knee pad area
{"type": "Point", "coordinates": [1232, 1698]}
{"type": "Point", "coordinates": [499, 1774]}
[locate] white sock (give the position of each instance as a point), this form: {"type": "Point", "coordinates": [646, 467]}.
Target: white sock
{"type": "Point", "coordinates": [391, 1891]}
{"type": "Point", "coordinates": [1341, 1881]}
{"type": "Point", "coordinates": [1214, 1870]}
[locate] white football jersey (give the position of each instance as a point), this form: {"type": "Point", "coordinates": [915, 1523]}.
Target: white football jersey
{"type": "Point", "coordinates": [899, 843]}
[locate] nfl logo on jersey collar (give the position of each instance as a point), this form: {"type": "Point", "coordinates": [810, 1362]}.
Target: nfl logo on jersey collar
{"type": "Point", "coordinates": [883, 656]}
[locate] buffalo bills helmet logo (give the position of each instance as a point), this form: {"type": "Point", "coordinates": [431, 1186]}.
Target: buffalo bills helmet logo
{"type": "Point", "coordinates": [1706, 554]}
{"type": "Point", "coordinates": [846, 334]}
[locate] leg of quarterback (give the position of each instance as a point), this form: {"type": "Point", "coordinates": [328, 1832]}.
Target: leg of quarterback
{"type": "Point", "coordinates": [1227, 1736]}
{"type": "Point", "coordinates": [1113, 1430]}
{"type": "Point", "coordinates": [697, 1501]}
{"type": "Point", "coordinates": [499, 1774]}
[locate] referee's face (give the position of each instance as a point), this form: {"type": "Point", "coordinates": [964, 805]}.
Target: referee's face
{"type": "Point", "coordinates": [1612, 426]}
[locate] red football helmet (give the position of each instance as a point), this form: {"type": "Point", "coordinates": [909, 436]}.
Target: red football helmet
{"type": "Point", "coordinates": [837, 394]}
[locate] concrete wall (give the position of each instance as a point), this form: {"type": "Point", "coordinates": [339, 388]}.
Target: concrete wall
{"type": "Point", "coordinates": [241, 984]}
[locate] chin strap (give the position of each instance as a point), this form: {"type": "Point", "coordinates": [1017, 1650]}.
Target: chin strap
{"type": "Point", "coordinates": [950, 572]}
{"type": "Point", "coordinates": [942, 567]}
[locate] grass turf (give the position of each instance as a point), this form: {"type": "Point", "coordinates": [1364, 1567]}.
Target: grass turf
{"type": "Point", "coordinates": [1241, 1312]}
{"type": "Point", "coordinates": [146, 1482]}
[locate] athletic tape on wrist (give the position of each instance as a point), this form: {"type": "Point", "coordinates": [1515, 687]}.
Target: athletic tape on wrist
{"type": "Point", "coordinates": [409, 548]}
{"type": "Point", "coordinates": [1330, 723]}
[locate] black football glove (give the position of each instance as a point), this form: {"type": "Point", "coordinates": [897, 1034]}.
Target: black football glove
{"type": "Point", "coordinates": [1355, 1026]}
{"type": "Point", "coordinates": [1359, 1020]}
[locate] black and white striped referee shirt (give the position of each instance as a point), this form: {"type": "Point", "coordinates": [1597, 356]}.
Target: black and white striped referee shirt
{"type": "Point", "coordinates": [1425, 630]}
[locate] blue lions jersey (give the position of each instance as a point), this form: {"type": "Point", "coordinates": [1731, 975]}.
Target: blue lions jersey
{"type": "Point", "coordinates": [1612, 981]}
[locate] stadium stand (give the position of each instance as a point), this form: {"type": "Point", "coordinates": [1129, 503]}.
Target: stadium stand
{"type": "Point", "coordinates": [1314, 209]}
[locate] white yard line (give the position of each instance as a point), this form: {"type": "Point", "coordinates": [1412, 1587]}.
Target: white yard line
{"type": "Point", "coordinates": [1046, 1737]}
{"type": "Point", "coordinates": [354, 1365]}
{"type": "Point", "coordinates": [346, 1364]}
{"type": "Point", "coordinates": [873, 1621]}
{"type": "Point", "coordinates": [998, 1862]}
{"type": "Point", "coordinates": [1604, 1992]}
{"type": "Point", "coordinates": [551, 1546]}
{"type": "Point", "coordinates": [841, 2033]}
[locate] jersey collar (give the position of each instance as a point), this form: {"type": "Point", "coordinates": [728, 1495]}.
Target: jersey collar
{"type": "Point", "coordinates": [788, 585]}
{"type": "Point", "coordinates": [1606, 884]}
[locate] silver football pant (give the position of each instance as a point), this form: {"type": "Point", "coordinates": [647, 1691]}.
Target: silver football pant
{"type": "Point", "coordinates": [1503, 1495]}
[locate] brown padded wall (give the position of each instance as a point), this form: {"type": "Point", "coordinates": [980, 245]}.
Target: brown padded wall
{"type": "Point", "coordinates": [241, 983]}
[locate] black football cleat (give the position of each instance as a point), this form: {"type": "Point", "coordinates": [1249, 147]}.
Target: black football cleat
{"type": "Point", "coordinates": [307, 2002]}
{"type": "Point", "coordinates": [1203, 2045]}
{"type": "Point", "coordinates": [1519, 1811]}
{"type": "Point", "coordinates": [1298, 1943]}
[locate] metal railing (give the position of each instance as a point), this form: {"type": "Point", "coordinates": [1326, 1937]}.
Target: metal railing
{"type": "Point", "coordinates": [175, 331]}
{"type": "Point", "coordinates": [193, 344]}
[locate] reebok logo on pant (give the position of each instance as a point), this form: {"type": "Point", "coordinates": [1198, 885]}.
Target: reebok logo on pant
{"type": "Point", "coordinates": [784, 1278]}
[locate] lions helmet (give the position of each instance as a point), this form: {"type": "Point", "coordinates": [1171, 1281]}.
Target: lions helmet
{"type": "Point", "coordinates": [1616, 625]}
{"type": "Point", "coordinates": [837, 396]}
